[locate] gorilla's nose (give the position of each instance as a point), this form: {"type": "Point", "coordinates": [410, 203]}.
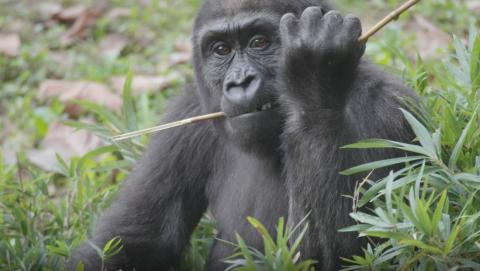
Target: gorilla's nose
{"type": "Point", "coordinates": [241, 90]}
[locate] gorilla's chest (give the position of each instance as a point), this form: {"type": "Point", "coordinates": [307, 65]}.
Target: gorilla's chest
{"type": "Point", "coordinates": [247, 186]}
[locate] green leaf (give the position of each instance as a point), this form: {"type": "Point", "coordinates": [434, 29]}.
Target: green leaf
{"type": "Point", "coordinates": [383, 143]}
{"type": "Point", "coordinates": [372, 143]}
{"type": "Point", "coordinates": [422, 133]}
{"type": "Point", "coordinates": [437, 215]}
{"type": "Point", "coordinates": [453, 236]}
{"type": "Point", "coordinates": [461, 141]}
{"type": "Point", "coordinates": [112, 247]}
{"type": "Point", "coordinates": [380, 164]}
{"type": "Point", "coordinates": [421, 245]}
{"type": "Point", "coordinates": [262, 230]}
{"type": "Point", "coordinates": [128, 107]}
{"type": "Point", "coordinates": [250, 264]}
{"type": "Point", "coordinates": [475, 64]}
{"type": "Point", "coordinates": [80, 266]}
{"type": "Point", "coordinates": [102, 113]}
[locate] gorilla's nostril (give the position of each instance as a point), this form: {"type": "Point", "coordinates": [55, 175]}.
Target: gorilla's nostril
{"type": "Point", "coordinates": [247, 81]}
{"type": "Point", "coordinates": [243, 82]}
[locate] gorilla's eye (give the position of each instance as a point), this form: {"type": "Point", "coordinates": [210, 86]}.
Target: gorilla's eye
{"type": "Point", "coordinates": [221, 49]}
{"type": "Point", "coordinates": [259, 42]}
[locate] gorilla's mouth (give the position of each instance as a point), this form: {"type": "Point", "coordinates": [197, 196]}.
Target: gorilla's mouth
{"type": "Point", "coordinates": [255, 110]}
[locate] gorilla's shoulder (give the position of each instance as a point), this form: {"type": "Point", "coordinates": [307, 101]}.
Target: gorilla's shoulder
{"type": "Point", "coordinates": [374, 86]}
{"type": "Point", "coordinates": [185, 105]}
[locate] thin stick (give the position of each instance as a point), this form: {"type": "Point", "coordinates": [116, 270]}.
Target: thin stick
{"type": "Point", "coordinates": [393, 15]}
{"type": "Point", "coordinates": [390, 17]}
{"type": "Point", "coordinates": [169, 125]}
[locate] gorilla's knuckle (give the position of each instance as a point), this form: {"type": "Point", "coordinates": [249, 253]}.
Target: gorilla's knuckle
{"type": "Point", "coordinates": [288, 19]}
{"type": "Point", "coordinates": [333, 17]}
{"type": "Point", "coordinates": [312, 12]}
{"type": "Point", "coordinates": [353, 22]}
{"type": "Point", "coordinates": [288, 24]}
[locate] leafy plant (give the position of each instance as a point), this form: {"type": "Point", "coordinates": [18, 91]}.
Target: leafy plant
{"type": "Point", "coordinates": [280, 253]}
{"type": "Point", "coordinates": [426, 215]}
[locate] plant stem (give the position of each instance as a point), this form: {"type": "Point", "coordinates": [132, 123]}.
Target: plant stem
{"type": "Point", "coordinates": [390, 17]}
{"type": "Point", "coordinates": [168, 126]}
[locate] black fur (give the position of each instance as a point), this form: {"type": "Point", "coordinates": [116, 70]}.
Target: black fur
{"type": "Point", "coordinates": [280, 162]}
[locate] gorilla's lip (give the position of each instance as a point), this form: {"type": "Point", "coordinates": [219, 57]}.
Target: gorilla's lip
{"type": "Point", "coordinates": [266, 107]}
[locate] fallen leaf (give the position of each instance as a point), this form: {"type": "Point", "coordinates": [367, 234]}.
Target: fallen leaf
{"type": "Point", "coordinates": [64, 141]}
{"type": "Point", "coordinates": [112, 45]}
{"type": "Point", "coordinates": [9, 44]}
{"type": "Point", "coordinates": [82, 17]}
{"type": "Point", "coordinates": [68, 91]}
{"type": "Point", "coordinates": [70, 14]}
{"type": "Point", "coordinates": [430, 40]}
{"type": "Point", "coordinates": [48, 10]}
{"type": "Point", "coordinates": [184, 45]}
{"type": "Point", "coordinates": [119, 12]}
{"type": "Point", "coordinates": [178, 58]}
{"type": "Point", "coordinates": [474, 5]}
{"type": "Point", "coordinates": [142, 83]}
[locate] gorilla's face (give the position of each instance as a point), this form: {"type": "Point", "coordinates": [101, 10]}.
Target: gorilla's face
{"type": "Point", "coordinates": [238, 57]}
{"type": "Point", "coordinates": [236, 51]}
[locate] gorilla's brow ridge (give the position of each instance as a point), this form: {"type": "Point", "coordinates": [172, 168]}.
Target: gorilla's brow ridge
{"type": "Point", "coordinates": [236, 25]}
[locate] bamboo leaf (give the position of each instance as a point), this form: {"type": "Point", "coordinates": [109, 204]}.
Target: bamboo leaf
{"type": "Point", "coordinates": [461, 141]}
{"type": "Point", "coordinates": [380, 164]}
{"type": "Point", "coordinates": [437, 215]}
{"type": "Point", "coordinates": [422, 133]}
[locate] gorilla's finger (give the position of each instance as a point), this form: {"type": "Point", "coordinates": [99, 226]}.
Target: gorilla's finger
{"type": "Point", "coordinates": [289, 25]}
{"type": "Point", "coordinates": [310, 20]}
{"type": "Point", "coordinates": [332, 20]}
{"type": "Point", "coordinates": [353, 25]}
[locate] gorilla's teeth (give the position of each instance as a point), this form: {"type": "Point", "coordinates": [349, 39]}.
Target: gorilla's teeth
{"type": "Point", "coordinates": [266, 106]}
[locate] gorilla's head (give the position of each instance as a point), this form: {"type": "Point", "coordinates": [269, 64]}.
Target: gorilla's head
{"type": "Point", "coordinates": [236, 50]}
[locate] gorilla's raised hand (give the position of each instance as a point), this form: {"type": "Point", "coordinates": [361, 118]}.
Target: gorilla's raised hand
{"type": "Point", "coordinates": [320, 71]}
{"type": "Point", "coordinates": [320, 55]}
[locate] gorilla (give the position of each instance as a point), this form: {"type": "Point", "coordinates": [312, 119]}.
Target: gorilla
{"type": "Point", "coordinates": [291, 79]}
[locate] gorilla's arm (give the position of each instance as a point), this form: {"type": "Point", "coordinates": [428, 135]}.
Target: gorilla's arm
{"type": "Point", "coordinates": [331, 99]}
{"type": "Point", "coordinates": [162, 200]}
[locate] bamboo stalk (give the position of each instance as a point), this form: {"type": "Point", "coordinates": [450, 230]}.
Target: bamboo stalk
{"type": "Point", "coordinates": [364, 38]}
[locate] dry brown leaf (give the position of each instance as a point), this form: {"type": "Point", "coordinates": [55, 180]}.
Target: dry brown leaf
{"type": "Point", "coordinates": [9, 44]}
{"type": "Point", "coordinates": [474, 5]}
{"type": "Point", "coordinates": [48, 10]}
{"type": "Point", "coordinates": [68, 91]}
{"type": "Point", "coordinates": [430, 40]}
{"type": "Point", "coordinates": [184, 45]}
{"type": "Point", "coordinates": [142, 83]}
{"type": "Point", "coordinates": [119, 12]}
{"type": "Point", "coordinates": [70, 14]}
{"type": "Point", "coordinates": [179, 58]}
{"type": "Point", "coordinates": [112, 45]}
{"type": "Point", "coordinates": [64, 141]}
{"type": "Point", "coordinates": [82, 17]}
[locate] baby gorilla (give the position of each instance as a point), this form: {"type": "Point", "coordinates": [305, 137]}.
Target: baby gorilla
{"type": "Point", "coordinates": [290, 78]}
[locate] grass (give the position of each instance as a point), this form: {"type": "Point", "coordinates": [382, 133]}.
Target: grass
{"type": "Point", "coordinates": [425, 217]}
